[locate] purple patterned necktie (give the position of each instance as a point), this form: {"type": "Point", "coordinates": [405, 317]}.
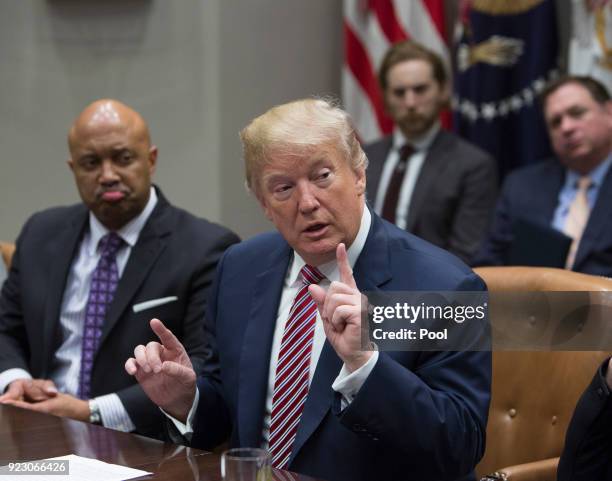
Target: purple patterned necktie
{"type": "Point", "coordinates": [101, 291]}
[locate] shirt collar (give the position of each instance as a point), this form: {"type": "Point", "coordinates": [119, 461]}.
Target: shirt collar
{"type": "Point", "coordinates": [597, 175]}
{"type": "Point", "coordinates": [330, 269]}
{"type": "Point", "coordinates": [129, 232]}
{"type": "Point", "coordinates": [422, 143]}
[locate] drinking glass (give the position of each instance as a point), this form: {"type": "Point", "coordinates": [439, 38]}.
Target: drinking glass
{"type": "Point", "coordinates": [245, 464]}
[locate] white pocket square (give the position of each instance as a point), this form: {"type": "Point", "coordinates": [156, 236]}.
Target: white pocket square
{"type": "Point", "coordinates": [142, 306]}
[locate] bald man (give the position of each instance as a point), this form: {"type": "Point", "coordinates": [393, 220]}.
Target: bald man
{"type": "Point", "coordinates": [86, 279]}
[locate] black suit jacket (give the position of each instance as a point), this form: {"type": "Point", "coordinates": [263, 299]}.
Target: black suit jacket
{"type": "Point", "coordinates": [454, 196]}
{"type": "Point", "coordinates": [176, 255]}
{"type": "Point", "coordinates": [531, 194]}
{"type": "Point", "coordinates": [587, 455]}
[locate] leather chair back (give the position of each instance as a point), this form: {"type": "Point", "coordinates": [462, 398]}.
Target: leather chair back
{"type": "Point", "coordinates": [534, 393]}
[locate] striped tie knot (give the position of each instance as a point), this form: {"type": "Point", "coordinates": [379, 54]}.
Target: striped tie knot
{"type": "Point", "coordinates": [311, 275]}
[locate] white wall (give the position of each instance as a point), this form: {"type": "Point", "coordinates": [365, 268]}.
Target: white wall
{"type": "Point", "coordinates": [197, 70]}
{"type": "Point", "coordinates": [279, 51]}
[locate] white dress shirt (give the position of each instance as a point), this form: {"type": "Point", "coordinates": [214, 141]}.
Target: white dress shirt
{"type": "Point", "coordinates": [66, 365]}
{"type": "Point", "coordinates": [568, 192]}
{"type": "Point", "coordinates": [413, 169]}
{"type": "Point", "coordinates": [347, 383]}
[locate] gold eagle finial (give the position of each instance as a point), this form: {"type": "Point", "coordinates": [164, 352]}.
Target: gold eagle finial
{"type": "Point", "coordinates": [504, 7]}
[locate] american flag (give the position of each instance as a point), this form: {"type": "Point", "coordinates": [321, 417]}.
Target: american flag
{"type": "Point", "coordinates": [590, 48]}
{"type": "Point", "coordinates": [370, 28]}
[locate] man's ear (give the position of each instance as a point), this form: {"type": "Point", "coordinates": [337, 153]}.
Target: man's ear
{"type": "Point", "coordinates": [360, 180]}
{"type": "Point", "coordinates": [152, 159]}
{"type": "Point", "coordinates": [70, 163]}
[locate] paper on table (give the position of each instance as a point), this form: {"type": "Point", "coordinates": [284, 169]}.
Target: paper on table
{"type": "Point", "coordinates": [83, 469]}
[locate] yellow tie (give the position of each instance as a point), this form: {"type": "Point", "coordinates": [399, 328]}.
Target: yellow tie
{"type": "Point", "coordinates": [577, 218]}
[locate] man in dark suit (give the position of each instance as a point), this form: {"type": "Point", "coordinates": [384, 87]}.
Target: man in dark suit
{"type": "Point", "coordinates": [422, 178]}
{"type": "Point", "coordinates": [86, 279]}
{"type": "Point", "coordinates": [294, 379]}
{"type": "Point", "coordinates": [588, 443]}
{"type": "Point", "coordinates": [567, 198]}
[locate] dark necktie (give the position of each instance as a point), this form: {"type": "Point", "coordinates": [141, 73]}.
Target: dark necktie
{"type": "Point", "coordinates": [101, 292]}
{"type": "Point", "coordinates": [292, 370]}
{"type": "Point", "coordinates": [395, 183]}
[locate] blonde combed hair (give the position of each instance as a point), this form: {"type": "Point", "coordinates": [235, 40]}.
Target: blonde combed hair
{"type": "Point", "coordinates": [296, 128]}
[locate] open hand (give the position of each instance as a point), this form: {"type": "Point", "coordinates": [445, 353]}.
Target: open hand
{"type": "Point", "coordinates": [164, 372]}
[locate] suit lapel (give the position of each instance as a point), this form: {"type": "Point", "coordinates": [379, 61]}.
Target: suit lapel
{"type": "Point", "coordinates": [377, 155]}
{"type": "Point", "coordinates": [149, 246]}
{"type": "Point", "coordinates": [62, 252]}
{"type": "Point", "coordinates": [371, 271]}
{"type": "Point", "coordinates": [432, 168]}
{"type": "Point", "coordinates": [549, 193]}
{"type": "Point", "coordinates": [257, 346]}
{"type": "Point", "coordinates": [600, 217]}
{"type": "Point", "coordinates": [373, 267]}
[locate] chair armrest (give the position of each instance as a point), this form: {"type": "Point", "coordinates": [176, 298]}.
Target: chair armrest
{"type": "Point", "coordinates": [545, 470]}
{"type": "Point", "coordinates": [6, 250]}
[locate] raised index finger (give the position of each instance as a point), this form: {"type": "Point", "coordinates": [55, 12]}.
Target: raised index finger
{"type": "Point", "coordinates": [168, 340]}
{"type": "Point", "coordinates": [346, 273]}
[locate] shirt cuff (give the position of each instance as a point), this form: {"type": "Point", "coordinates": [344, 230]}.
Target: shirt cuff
{"type": "Point", "coordinates": [113, 413]}
{"type": "Point", "coordinates": [8, 376]}
{"type": "Point", "coordinates": [185, 429]}
{"type": "Point", "coordinates": [349, 383]}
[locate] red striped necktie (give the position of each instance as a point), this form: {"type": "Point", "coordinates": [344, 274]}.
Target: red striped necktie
{"type": "Point", "coordinates": [292, 370]}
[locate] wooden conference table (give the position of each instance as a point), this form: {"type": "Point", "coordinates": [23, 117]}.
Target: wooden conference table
{"type": "Point", "coordinates": [27, 435]}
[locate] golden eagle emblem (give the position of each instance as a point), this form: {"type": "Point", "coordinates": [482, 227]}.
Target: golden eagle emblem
{"type": "Point", "coordinates": [504, 7]}
{"type": "Point", "coordinates": [496, 50]}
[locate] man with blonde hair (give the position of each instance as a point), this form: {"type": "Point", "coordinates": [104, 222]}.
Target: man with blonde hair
{"type": "Point", "coordinates": [286, 370]}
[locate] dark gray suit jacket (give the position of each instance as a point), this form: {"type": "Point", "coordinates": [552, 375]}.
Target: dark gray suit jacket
{"type": "Point", "coordinates": [454, 197]}
{"type": "Point", "coordinates": [587, 455]}
{"type": "Point", "coordinates": [176, 255]}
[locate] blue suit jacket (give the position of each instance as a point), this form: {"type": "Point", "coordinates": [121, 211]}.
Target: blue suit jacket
{"type": "Point", "coordinates": [531, 194]}
{"type": "Point", "coordinates": [419, 415]}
